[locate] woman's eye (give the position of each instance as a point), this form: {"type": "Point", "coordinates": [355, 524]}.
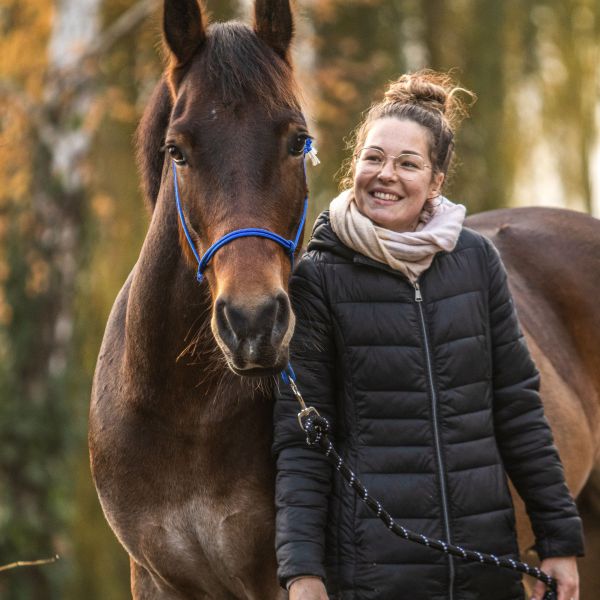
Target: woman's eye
{"type": "Point", "coordinates": [297, 144]}
{"type": "Point", "coordinates": [406, 164]}
{"type": "Point", "coordinates": [176, 154]}
{"type": "Point", "coordinates": [411, 165]}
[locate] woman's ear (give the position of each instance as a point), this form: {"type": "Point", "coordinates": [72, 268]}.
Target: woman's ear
{"type": "Point", "coordinates": [435, 187]}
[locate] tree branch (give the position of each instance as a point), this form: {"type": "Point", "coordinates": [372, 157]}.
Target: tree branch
{"type": "Point", "coordinates": [29, 563]}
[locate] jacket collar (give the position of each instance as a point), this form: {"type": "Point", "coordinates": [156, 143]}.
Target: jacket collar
{"type": "Point", "coordinates": [324, 238]}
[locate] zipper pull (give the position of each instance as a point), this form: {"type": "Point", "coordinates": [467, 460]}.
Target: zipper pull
{"type": "Point", "coordinates": [418, 297]}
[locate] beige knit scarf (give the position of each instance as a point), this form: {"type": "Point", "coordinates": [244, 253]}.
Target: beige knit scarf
{"type": "Point", "coordinates": [410, 252]}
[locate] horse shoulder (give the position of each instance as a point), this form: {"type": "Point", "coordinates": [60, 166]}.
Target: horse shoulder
{"type": "Point", "coordinates": [106, 385]}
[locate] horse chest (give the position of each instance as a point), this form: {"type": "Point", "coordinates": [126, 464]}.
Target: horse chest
{"type": "Point", "coordinates": [216, 545]}
{"type": "Point", "coordinates": [189, 508]}
{"type": "Point", "coordinates": [222, 527]}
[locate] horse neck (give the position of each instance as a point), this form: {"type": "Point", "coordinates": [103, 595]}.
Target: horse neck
{"type": "Point", "coordinates": [171, 355]}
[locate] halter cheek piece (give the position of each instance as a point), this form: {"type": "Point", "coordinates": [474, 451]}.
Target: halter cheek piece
{"type": "Point", "coordinates": [289, 245]}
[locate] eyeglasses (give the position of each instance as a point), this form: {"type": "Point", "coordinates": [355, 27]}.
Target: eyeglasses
{"type": "Point", "coordinates": [406, 166]}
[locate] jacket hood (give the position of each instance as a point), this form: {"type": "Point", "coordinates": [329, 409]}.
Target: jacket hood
{"type": "Point", "coordinates": [324, 238]}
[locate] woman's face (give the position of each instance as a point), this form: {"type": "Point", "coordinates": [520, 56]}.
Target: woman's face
{"type": "Point", "coordinates": [386, 195]}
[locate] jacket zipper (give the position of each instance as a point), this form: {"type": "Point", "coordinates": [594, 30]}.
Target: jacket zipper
{"type": "Point", "coordinates": [436, 435]}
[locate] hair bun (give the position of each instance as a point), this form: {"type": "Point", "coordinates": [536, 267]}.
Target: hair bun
{"type": "Point", "coordinates": [432, 91]}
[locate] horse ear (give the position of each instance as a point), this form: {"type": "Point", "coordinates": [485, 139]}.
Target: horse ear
{"type": "Point", "coordinates": [273, 23]}
{"type": "Point", "coordinates": [183, 28]}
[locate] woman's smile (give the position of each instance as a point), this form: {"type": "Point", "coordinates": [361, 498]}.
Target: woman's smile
{"type": "Point", "coordinates": [385, 197]}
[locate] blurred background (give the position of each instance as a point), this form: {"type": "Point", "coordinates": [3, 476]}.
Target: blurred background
{"type": "Point", "coordinates": [74, 78]}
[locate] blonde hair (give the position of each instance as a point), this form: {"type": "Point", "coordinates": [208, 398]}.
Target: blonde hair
{"type": "Point", "coordinates": [426, 97]}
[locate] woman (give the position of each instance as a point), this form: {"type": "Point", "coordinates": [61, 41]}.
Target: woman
{"type": "Point", "coordinates": [407, 341]}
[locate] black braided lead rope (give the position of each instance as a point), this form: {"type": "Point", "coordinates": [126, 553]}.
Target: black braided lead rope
{"type": "Point", "coordinates": [316, 428]}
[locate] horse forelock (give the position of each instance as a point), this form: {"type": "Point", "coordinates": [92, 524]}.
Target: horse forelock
{"type": "Point", "coordinates": [235, 66]}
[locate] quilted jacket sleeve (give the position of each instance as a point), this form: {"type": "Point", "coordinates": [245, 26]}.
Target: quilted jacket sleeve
{"type": "Point", "coordinates": [303, 473]}
{"type": "Point", "coordinates": [524, 437]}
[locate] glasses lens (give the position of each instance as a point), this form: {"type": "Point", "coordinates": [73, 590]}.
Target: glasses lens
{"type": "Point", "coordinates": [409, 166]}
{"type": "Point", "coordinates": [370, 159]}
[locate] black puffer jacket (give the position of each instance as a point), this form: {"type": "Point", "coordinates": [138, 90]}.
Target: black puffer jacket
{"type": "Point", "coordinates": [431, 402]}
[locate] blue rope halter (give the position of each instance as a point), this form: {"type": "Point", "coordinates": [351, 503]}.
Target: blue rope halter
{"type": "Point", "coordinates": [289, 245]}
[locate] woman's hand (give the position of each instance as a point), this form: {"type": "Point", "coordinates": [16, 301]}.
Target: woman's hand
{"type": "Point", "coordinates": [564, 570]}
{"type": "Point", "coordinates": [308, 588]}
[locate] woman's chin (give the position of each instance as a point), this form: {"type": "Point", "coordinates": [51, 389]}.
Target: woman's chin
{"type": "Point", "coordinates": [384, 217]}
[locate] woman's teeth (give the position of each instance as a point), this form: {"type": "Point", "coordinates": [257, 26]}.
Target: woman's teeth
{"type": "Point", "coordinates": [388, 197]}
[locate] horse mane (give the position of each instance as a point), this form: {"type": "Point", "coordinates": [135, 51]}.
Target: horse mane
{"type": "Point", "coordinates": [235, 66]}
{"type": "Point", "coordinates": [149, 139]}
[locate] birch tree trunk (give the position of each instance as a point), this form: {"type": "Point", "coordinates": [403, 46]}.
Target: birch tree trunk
{"type": "Point", "coordinates": [43, 235]}
{"type": "Point", "coordinates": [43, 251]}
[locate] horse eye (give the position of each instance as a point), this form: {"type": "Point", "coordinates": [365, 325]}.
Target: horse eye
{"type": "Point", "coordinates": [297, 144]}
{"type": "Point", "coordinates": [176, 154]}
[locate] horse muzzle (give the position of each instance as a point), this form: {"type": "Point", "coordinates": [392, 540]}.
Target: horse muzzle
{"type": "Point", "coordinates": [254, 337]}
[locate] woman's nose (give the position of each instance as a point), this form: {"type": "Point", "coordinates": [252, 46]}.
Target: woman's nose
{"type": "Point", "coordinates": [388, 170]}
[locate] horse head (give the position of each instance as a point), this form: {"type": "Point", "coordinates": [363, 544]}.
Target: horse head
{"type": "Point", "coordinates": [234, 143]}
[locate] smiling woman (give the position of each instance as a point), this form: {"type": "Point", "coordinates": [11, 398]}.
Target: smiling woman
{"type": "Point", "coordinates": [407, 341]}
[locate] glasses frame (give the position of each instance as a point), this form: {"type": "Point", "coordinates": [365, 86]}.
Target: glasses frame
{"type": "Point", "coordinates": [396, 169]}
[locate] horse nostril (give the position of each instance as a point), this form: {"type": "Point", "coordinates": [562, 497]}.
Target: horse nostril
{"type": "Point", "coordinates": [222, 318]}
{"type": "Point", "coordinates": [282, 318]}
{"type": "Point", "coordinates": [238, 321]}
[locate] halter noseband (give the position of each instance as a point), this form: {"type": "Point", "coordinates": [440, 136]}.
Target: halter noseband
{"type": "Point", "coordinates": [289, 245]}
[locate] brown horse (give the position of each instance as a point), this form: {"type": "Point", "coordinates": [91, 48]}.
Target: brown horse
{"type": "Point", "coordinates": [179, 444]}
{"type": "Point", "coordinates": [553, 261]}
